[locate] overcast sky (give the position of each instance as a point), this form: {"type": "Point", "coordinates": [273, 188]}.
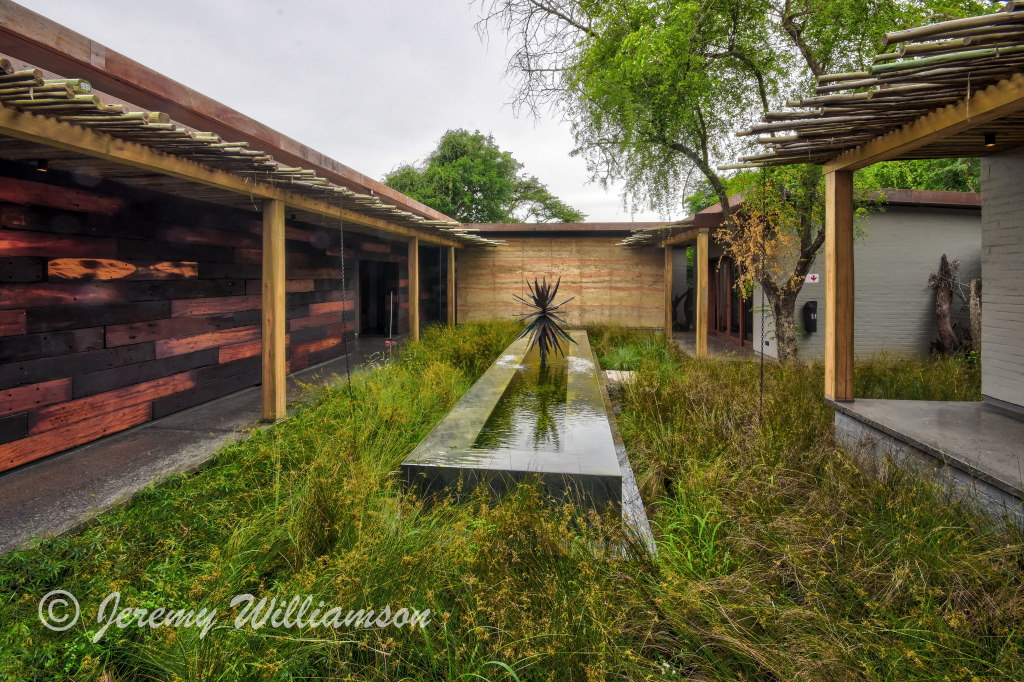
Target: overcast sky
{"type": "Point", "coordinates": [371, 84]}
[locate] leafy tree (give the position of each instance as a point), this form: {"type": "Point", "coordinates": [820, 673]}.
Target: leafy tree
{"type": "Point", "coordinates": [954, 175]}
{"type": "Point", "coordinates": [655, 91]}
{"type": "Point", "coordinates": [784, 209]}
{"type": "Point", "coordinates": [469, 178]}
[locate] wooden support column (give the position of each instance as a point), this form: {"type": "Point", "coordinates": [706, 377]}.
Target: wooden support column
{"type": "Point", "coordinates": [701, 312]}
{"type": "Point", "coordinates": [668, 292]}
{"type": "Point", "coordinates": [414, 289]}
{"type": "Point", "coordinates": [451, 285]}
{"type": "Point", "coordinates": [274, 347]}
{"type": "Point", "coordinates": [839, 285]}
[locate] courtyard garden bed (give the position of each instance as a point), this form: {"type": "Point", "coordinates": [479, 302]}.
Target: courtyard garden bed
{"type": "Point", "coordinates": [777, 557]}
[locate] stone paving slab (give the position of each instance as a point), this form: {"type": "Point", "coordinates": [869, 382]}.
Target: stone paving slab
{"type": "Point", "coordinates": [973, 437]}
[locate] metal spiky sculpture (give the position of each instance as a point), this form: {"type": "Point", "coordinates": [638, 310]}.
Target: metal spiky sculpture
{"type": "Point", "coordinates": [545, 328]}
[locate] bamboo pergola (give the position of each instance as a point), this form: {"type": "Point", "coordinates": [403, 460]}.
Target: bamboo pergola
{"type": "Point", "coordinates": [72, 101]}
{"type": "Point", "coordinates": [654, 236]}
{"type": "Point", "coordinates": [926, 69]}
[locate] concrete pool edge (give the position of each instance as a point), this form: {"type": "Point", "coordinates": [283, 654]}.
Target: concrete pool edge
{"type": "Point", "coordinates": [445, 460]}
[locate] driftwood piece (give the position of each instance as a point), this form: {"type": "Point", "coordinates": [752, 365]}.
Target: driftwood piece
{"type": "Point", "coordinates": [943, 284]}
{"type": "Point", "coordinates": [974, 305]}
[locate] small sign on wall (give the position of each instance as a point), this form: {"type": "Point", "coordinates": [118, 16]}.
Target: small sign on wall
{"type": "Point", "coordinates": [812, 279]}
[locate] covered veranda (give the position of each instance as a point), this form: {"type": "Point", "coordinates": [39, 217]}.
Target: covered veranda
{"type": "Point", "coordinates": [80, 120]}
{"type": "Point", "coordinates": [949, 90]}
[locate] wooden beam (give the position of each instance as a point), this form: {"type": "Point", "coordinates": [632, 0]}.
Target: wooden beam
{"type": "Point", "coordinates": [701, 311]}
{"type": "Point", "coordinates": [687, 236]}
{"type": "Point", "coordinates": [414, 289]}
{"type": "Point", "coordinates": [451, 286]}
{"type": "Point", "coordinates": [839, 279]}
{"type": "Point", "coordinates": [668, 292]}
{"type": "Point", "coordinates": [274, 347]}
{"type": "Point", "coordinates": [995, 101]}
{"type": "Point", "coordinates": [59, 135]}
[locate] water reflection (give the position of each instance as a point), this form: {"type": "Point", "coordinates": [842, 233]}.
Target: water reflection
{"type": "Point", "coordinates": [531, 414]}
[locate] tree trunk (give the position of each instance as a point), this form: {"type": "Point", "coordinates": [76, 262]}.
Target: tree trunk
{"type": "Point", "coordinates": [944, 307]}
{"type": "Point", "coordinates": [783, 307]}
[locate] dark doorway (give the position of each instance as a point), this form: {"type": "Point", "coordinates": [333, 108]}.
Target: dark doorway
{"type": "Point", "coordinates": [433, 284]}
{"type": "Point", "coordinates": [378, 291]}
{"type": "Point", "coordinates": [731, 313]}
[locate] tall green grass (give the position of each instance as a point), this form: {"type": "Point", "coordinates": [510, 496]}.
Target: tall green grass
{"type": "Point", "coordinates": [624, 348]}
{"type": "Point", "coordinates": [777, 558]}
{"type": "Point", "coordinates": [781, 559]}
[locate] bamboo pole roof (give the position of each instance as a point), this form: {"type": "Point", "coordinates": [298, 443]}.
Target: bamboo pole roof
{"type": "Point", "coordinates": [72, 101]}
{"type": "Point", "coordinates": [925, 69]}
{"type": "Point", "coordinates": [662, 235]}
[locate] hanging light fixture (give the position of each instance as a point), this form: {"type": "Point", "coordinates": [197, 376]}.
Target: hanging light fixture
{"type": "Point", "coordinates": [990, 139]}
{"type": "Point", "coordinates": [42, 165]}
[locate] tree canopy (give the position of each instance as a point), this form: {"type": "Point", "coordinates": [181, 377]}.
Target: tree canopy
{"type": "Point", "coordinates": [655, 92]}
{"type": "Point", "coordinates": [953, 175]}
{"type": "Point", "coordinates": [469, 178]}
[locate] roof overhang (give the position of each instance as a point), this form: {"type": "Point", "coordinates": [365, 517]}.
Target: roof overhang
{"type": "Point", "coordinates": [560, 229]}
{"type": "Point", "coordinates": [48, 45]}
{"type": "Point", "coordinates": [948, 132]}
{"type": "Point", "coordinates": [46, 116]}
{"type": "Point", "coordinates": [953, 89]}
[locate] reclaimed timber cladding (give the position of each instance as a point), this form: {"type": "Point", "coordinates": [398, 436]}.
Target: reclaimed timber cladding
{"type": "Point", "coordinates": [120, 305]}
{"type": "Point", "coordinates": [612, 284]}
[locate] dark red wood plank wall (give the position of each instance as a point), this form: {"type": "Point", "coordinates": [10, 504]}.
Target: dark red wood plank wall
{"type": "Point", "coordinates": [120, 305]}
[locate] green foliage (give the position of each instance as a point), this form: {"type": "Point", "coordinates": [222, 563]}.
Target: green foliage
{"type": "Point", "coordinates": [704, 194]}
{"type": "Point", "coordinates": [780, 558]}
{"type": "Point", "coordinates": [953, 175]}
{"type": "Point", "coordinates": [469, 178]}
{"type": "Point", "coordinates": [656, 91]}
{"type": "Point", "coordinates": [940, 378]}
{"type": "Point", "coordinates": [777, 557]}
{"type": "Point", "coordinates": [623, 348]}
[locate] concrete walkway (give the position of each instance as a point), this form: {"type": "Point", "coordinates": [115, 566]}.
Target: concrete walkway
{"type": "Point", "coordinates": [62, 492]}
{"type": "Point", "coordinates": [717, 347]}
{"type": "Point", "coordinates": [973, 447]}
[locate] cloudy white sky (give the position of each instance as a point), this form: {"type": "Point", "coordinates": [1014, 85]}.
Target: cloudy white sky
{"type": "Point", "coordinates": [371, 84]}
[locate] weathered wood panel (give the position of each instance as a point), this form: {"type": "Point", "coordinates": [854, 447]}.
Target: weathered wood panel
{"type": "Point", "coordinates": [174, 327]}
{"type": "Point", "coordinates": [131, 373]}
{"type": "Point", "coordinates": [236, 351]}
{"type": "Point", "coordinates": [108, 268]}
{"type": "Point", "coordinates": [48, 344]}
{"type": "Point", "coordinates": [33, 396]}
{"type": "Point", "coordinates": [38, 194]}
{"type": "Point", "coordinates": [32, 448]}
{"type": "Point", "coordinates": [12, 322]}
{"type": "Point", "coordinates": [56, 318]}
{"type": "Point", "coordinates": [13, 427]}
{"type": "Point", "coordinates": [66, 413]}
{"type": "Point", "coordinates": [44, 369]}
{"type": "Point", "coordinates": [19, 270]}
{"type": "Point", "coordinates": [612, 284]}
{"type": "Point", "coordinates": [121, 308]}
{"type": "Point", "coordinates": [18, 243]}
{"type": "Point", "coordinates": [212, 306]}
{"type": "Point", "coordinates": [188, 344]}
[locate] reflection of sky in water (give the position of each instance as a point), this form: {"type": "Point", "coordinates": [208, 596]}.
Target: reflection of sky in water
{"type": "Point", "coordinates": [533, 415]}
